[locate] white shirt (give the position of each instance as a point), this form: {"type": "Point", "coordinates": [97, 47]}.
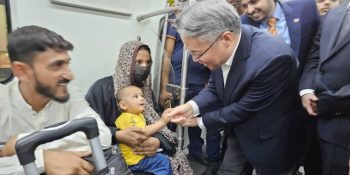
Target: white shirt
{"type": "Point", "coordinates": [17, 117]}
{"type": "Point", "coordinates": [226, 67]}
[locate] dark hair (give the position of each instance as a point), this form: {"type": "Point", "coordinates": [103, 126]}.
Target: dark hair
{"type": "Point", "coordinates": [25, 42]}
{"type": "Point", "coordinates": [133, 63]}
{"type": "Point", "coordinates": [144, 47]}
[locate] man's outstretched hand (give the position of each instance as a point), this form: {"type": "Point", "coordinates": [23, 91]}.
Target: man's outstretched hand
{"type": "Point", "coordinates": [67, 163]}
{"type": "Point", "coordinates": [182, 115]}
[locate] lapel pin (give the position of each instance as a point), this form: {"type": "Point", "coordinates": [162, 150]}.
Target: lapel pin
{"type": "Point", "coordinates": [296, 20]}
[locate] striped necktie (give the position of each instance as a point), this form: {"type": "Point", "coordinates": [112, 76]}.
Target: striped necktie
{"type": "Point", "coordinates": [271, 23]}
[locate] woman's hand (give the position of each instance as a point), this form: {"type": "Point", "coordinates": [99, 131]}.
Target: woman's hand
{"type": "Point", "coordinates": [132, 136]}
{"type": "Point", "coordinates": [164, 97]}
{"type": "Point", "coordinates": [148, 147]}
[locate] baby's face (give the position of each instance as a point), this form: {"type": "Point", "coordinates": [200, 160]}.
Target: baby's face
{"type": "Point", "coordinates": [134, 100]}
{"type": "Point", "coordinates": [325, 5]}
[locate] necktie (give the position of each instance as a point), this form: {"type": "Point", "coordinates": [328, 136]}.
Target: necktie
{"type": "Point", "coordinates": [345, 28]}
{"type": "Point", "coordinates": [271, 23]}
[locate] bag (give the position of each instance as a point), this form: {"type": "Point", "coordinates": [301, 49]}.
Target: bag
{"type": "Point", "coordinates": [115, 162]}
{"type": "Point", "coordinates": [169, 148]}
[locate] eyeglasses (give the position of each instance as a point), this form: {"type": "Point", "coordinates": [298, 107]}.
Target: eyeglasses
{"type": "Point", "coordinates": [197, 56]}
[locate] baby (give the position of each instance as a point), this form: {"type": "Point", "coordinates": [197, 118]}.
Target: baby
{"type": "Point", "coordinates": [131, 101]}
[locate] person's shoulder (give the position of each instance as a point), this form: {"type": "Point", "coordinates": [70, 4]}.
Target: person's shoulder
{"type": "Point", "coordinates": [300, 7]}
{"type": "Point", "coordinates": [100, 86]}
{"type": "Point", "coordinates": [102, 81]}
{"type": "Point", "coordinates": [276, 45]}
{"type": "Point", "coordinates": [6, 89]}
{"type": "Point", "coordinates": [245, 19]}
{"type": "Point", "coordinates": [260, 37]}
{"type": "Point", "coordinates": [301, 3]}
{"type": "Point", "coordinates": [336, 10]}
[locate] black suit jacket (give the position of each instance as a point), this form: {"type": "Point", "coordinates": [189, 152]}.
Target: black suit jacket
{"type": "Point", "coordinates": [256, 100]}
{"type": "Point", "coordinates": [328, 71]}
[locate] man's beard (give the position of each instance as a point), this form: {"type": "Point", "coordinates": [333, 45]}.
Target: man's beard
{"type": "Point", "coordinates": [49, 92]}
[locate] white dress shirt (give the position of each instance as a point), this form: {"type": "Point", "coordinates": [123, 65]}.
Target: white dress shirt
{"type": "Point", "coordinates": [18, 117]}
{"type": "Point", "coordinates": [226, 67]}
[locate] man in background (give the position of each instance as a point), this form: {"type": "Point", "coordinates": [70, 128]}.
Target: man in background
{"type": "Point", "coordinates": [296, 22]}
{"type": "Point", "coordinates": [325, 89]}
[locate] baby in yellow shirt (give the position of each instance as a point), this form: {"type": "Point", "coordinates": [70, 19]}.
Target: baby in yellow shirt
{"type": "Point", "coordinates": [131, 100]}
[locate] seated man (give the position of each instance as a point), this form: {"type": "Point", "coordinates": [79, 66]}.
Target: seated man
{"type": "Point", "coordinates": [38, 98]}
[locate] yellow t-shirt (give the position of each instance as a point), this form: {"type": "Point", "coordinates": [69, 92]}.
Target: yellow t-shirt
{"type": "Point", "coordinates": [126, 120]}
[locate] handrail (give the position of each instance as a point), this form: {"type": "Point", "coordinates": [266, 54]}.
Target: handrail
{"type": "Point", "coordinates": [156, 13]}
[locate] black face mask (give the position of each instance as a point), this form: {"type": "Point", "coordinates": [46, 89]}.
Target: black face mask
{"type": "Point", "coordinates": [140, 74]}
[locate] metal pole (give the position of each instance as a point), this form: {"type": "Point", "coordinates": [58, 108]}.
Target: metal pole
{"type": "Point", "coordinates": [185, 55]}
{"type": "Point", "coordinates": [159, 51]}
{"type": "Point", "coordinates": [180, 129]}
{"type": "Point", "coordinates": [156, 13]}
{"type": "Point", "coordinates": [159, 62]}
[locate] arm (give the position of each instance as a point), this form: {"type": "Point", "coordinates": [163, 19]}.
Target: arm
{"type": "Point", "coordinates": [169, 48]}
{"type": "Point", "coordinates": [306, 81]}
{"type": "Point", "coordinates": [149, 147]}
{"type": "Point", "coordinates": [100, 97]}
{"type": "Point", "coordinates": [76, 107]}
{"type": "Point", "coordinates": [307, 78]}
{"type": "Point", "coordinates": [208, 98]}
{"type": "Point", "coordinates": [64, 162]}
{"type": "Point", "coordinates": [264, 88]}
{"type": "Point", "coordinates": [158, 125]}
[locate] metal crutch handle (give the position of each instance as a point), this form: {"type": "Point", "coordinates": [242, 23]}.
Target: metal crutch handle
{"type": "Point", "coordinates": [26, 146]}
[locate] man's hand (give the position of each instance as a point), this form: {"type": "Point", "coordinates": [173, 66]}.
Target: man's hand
{"type": "Point", "coordinates": [148, 147]}
{"type": "Point", "coordinates": [190, 122]}
{"type": "Point", "coordinates": [9, 148]}
{"type": "Point", "coordinates": [132, 136]}
{"type": "Point", "coordinates": [309, 103]}
{"type": "Point", "coordinates": [181, 113]}
{"type": "Point", "coordinates": [67, 163]}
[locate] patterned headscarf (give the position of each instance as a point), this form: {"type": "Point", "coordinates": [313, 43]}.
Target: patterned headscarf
{"type": "Point", "coordinates": [124, 73]}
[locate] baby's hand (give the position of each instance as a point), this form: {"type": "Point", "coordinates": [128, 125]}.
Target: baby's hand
{"type": "Point", "coordinates": [165, 117]}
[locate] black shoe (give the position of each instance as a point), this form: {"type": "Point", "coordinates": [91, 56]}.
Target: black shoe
{"type": "Point", "coordinates": [212, 169]}
{"type": "Point", "coordinates": [200, 159]}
